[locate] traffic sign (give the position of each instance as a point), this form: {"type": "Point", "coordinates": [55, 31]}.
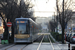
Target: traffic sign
{"type": "Point", "coordinates": [9, 24]}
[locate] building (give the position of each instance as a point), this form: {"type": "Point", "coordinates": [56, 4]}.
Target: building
{"type": "Point", "coordinates": [1, 26]}
{"type": "Point", "coordinates": [71, 23]}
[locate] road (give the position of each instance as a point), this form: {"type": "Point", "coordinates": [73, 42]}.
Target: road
{"type": "Point", "coordinates": [38, 45]}
{"type": "Point", "coordinates": [34, 46]}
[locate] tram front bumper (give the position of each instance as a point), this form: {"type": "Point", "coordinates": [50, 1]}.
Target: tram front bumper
{"type": "Point", "coordinates": [22, 40]}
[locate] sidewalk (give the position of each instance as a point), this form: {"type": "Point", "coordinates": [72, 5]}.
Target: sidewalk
{"type": "Point", "coordinates": [59, 45]}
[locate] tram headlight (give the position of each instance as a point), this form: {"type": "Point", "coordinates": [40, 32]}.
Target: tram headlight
{"type": "Point", "coordinates": [28, 35]}
{"type": "Point", "coordinates": [15, 36]}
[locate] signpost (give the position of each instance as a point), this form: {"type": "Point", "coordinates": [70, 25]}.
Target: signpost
{"type": "Point", "coordinates": [9, 24]}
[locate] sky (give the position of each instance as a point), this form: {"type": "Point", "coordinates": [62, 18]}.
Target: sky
{"type": "Point", "coordinates": [44, 8]}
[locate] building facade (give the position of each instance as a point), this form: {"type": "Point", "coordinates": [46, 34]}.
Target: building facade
{"type": "Point", "coordinates": [1, 26]}
{"type": "Point", "coordinates": [71, 23]}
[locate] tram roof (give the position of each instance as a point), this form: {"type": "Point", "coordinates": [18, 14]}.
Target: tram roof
{"type": "Point", "coordinates": [26, 19]}
{"type": "Point", "coordinates": [23, 18]}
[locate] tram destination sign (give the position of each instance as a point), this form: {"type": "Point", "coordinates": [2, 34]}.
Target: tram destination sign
{"type": "Point", "coordinates": [22, 22]}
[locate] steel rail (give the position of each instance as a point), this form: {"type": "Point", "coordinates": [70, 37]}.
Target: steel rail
{"type": "Point", "coordinates": [40, 43]}
{"type": "Point", "coordinates": [50, 42]}
{"type": "Point", "coordinates": [10, 47]}
{"type": "Point", "coordinates": [15, 45]}
{"type": "Point", "coordinates": [23, 47]}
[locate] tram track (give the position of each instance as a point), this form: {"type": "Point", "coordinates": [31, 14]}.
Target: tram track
{"type": "Point", "coordinates": [15, 46]}
{"type": "Point", "coordinates": [9, 47]}
{"type": "Point", "coordinates": [22, 47]}
{"type": "Point", "coordinates": [42, 41]}
{"type": "Point", "coordinates": [50, 42]}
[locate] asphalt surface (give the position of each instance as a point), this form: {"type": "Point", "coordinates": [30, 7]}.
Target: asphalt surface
{"type": "Point", "coordinates": [44, 46]}
{"type": "Point", "coordinates": [2, 46]}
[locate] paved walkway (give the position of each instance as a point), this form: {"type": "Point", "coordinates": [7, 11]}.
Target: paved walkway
{"type": "Point", "coordinates": [59, 46]}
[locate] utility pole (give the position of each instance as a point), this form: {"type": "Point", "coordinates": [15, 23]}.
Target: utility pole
{"type": "Point", "coordinates": [63, 25]}
{"type": "Point", "coordinates": [55, 22]}
{"type": "Point", "coordinates": [54, 17]}
{"type": "Point", "coordinates": [20, 8]}
{"type": "Point", "coordinates": [57, 14]}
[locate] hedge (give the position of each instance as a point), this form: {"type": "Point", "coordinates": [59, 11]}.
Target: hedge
{"type": "Point", "coordinates": [57, 36]}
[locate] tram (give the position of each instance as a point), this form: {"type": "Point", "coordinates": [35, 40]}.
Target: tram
{"type": "Point", "coordinates": [25, 30]}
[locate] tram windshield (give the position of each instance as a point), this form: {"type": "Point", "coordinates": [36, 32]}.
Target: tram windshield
{"type": "Point", "coordinates": [22, 28]}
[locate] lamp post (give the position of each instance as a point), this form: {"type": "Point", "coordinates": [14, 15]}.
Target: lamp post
{"type": "Point", "coordinates": [57, 14]}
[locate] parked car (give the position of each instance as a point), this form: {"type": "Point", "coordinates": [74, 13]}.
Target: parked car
{"type": "Point", "coordinates": [65, 36]}
{"type": "Point", "coordinates": [68, 37]}
{"type": "Point", "coordinates": [72, 38]}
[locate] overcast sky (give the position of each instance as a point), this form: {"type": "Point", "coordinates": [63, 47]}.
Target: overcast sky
{"type": "Point", "coordinates": [44, 5]}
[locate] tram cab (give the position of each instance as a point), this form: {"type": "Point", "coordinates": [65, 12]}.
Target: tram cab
{"type": "Point", "coordinates": [25, 30]}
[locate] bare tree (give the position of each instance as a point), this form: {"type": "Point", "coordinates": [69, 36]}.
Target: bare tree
{"type": "Point", "coordinates": [52, 25]}
{"type": "Point", "coordinates": [12, 10]}
{"type": "Point", "coordinates": [64, 15]}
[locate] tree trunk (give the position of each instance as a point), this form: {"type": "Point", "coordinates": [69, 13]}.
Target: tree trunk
{"type": "Point", "coordinates": [62, 35]}
{"type": "Point", "coordinates": [12, 33]}
{"type": "Point", "coordinates": [5, 35]}
{"type": "Point", "coordinates": [63, 25]}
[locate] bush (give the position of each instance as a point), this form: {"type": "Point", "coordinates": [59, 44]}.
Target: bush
{"type": "Point", "coordinates": [60, 37]}
{"type": "Point", "coordinates": [57, 36]}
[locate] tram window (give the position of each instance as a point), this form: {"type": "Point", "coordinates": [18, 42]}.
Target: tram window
{"type": "Point", "coordinates": [15, 30]}
{"type": "Point", "coordinates": [18, 27]}
{"type": "Point", "coordinates": [27, 28]}
{"type": "Point", "coordinates": [22, 28]}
